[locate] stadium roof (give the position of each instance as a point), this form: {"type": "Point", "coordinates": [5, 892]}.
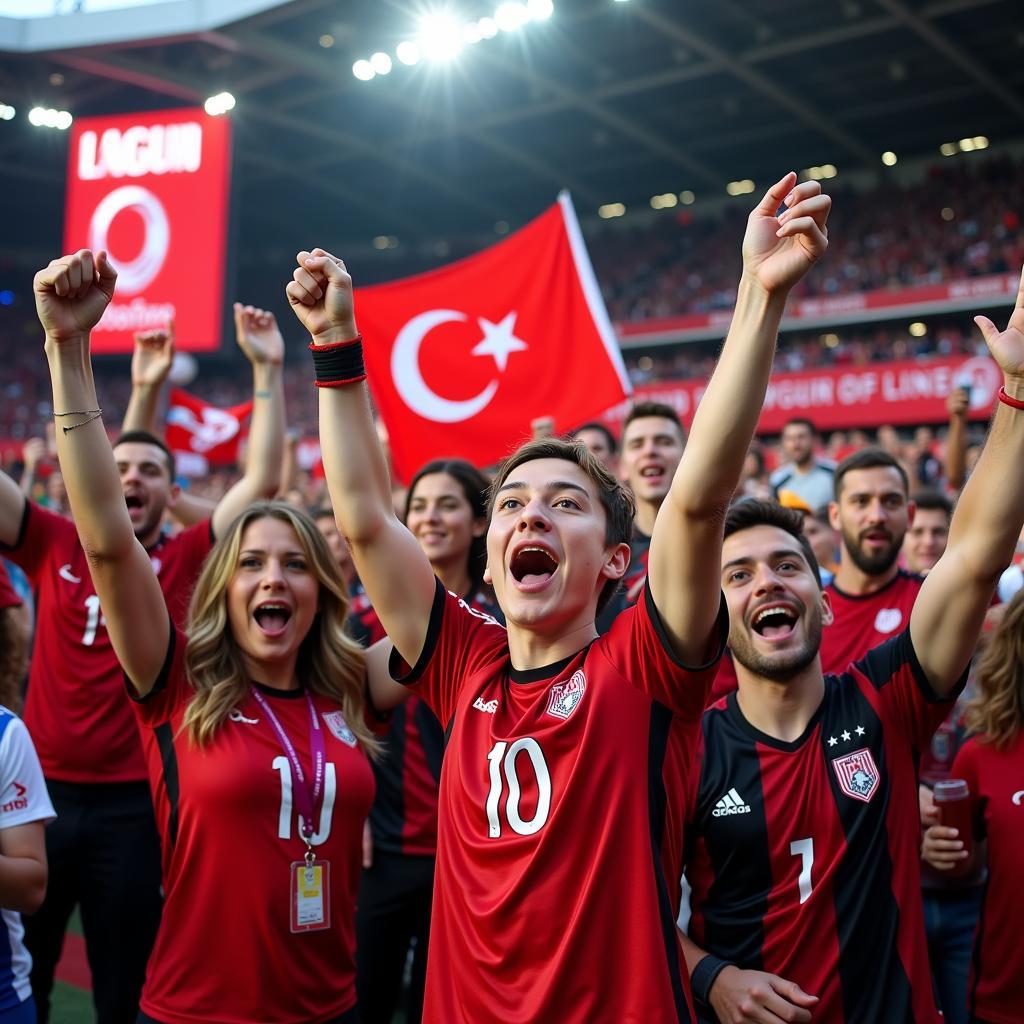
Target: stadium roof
{"type": "Point", "coordinates": [617, 101]}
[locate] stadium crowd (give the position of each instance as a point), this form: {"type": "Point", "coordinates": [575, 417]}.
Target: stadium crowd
{"type": "Point", "coordinates": [636, 656]}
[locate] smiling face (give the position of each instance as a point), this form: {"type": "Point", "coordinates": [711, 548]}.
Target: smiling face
{"type": "Point", "coordinates": [441, 519]}
{"type": "Point", "coordinates": [272, 599]}
{"type": "Point", "coordinates": [776, 607]}
{"type": "Point", "coordinates": [926, 539]}
{"type": "Point", "coordinates": [547, 557]}
{"type": "Point", "coordinates": [147, 486]}
{"type": "Point", "coordinates": [871, 514]}
{"type": "Point", "coordinates": [651, 449]}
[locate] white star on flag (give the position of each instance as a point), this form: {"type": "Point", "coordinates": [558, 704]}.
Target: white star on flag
{"type": "Point", "coordinates": [846, 734]}
{"type": "Point", "coordinates": [498, 340]}
{"type": "Point", "coordinates": [859, 730]}
{"type": "Point", "coordinates": [832, 741]}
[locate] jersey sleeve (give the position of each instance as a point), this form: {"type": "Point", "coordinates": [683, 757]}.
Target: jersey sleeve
{"type": "Point", "coordinates": [459, 641]}
{"type": "Point", "coordinates": [170, 689]}
{"type": "Point", "coordinates": [22, 788]}
{"type": "Point", "coordinates": [901, 691]}
{"type": "Point", "coordinates": [40, 529]}
{"type": "Point", "coordinates": [638, 645]}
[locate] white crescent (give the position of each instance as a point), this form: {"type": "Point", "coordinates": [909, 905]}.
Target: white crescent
{"type": "Point", "coordinates": [405, 372]}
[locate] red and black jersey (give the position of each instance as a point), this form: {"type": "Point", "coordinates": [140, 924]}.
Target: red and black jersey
{"type": "Point", "coordinates": [632, 583]}
{"type": "Point", "coordinates": [863, 621]}
{"type": "Point", "coordinates": [803, 856]}
{"type": "Point", "coordinates": [75, 708]}
{"type": "Point", "coordinates": [229, 826]}
{"type": "Point", "coordinates": [560, 832]}
{"type": "Point", "coordinates": [404, 813]}
{"type": "Point", "coordinates": [996, 781]}
{"type": "Point", "coordinates": [362, 622]}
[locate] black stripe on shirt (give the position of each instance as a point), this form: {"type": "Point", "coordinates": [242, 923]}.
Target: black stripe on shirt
{"type": "Point", "coordinates": [168, 756]}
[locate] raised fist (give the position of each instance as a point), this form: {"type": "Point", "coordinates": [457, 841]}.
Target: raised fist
{"type": "Point", "coordinates": [72, 294]}
{"type": "Point", "coordinates": [320, 294]}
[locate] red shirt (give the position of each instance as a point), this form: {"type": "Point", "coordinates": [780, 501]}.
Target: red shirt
{"type": "Point", "coordinates": [803, 856]}
{"type": "Point", "coordinates": [224, 953]}
{"type": "Point", "coordinates": [8, 596]}
{"type": "Point", "coordinates": [996, 781]}
{"type": "Point", "coordinates": [75, 708]}
{"type": "Point", "coordinates": [862, 622]}
{"type": "Point", "coordinates": [558, 860]}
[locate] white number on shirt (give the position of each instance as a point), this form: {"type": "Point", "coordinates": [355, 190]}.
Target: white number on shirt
{"type": "Point", "coordinates": [502, 758]}
{"type": "Point", "coordinates": [284, 818]}
{"type": "Point", "coordinates": [94, 619]}
{"type": "Point", "coordinates": [804, 849]}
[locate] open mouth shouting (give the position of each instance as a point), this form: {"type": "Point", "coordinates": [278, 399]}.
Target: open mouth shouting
{"type": "Point", "coordinates": [532, 567]}
{"type": "Point", "coordinates": [775, 621]}
{"type": "Point", "coordinates": [272, 618]}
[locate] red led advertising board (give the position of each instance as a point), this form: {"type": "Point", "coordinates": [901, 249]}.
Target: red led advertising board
{"type": "Point", "coordinates": [152, 189]}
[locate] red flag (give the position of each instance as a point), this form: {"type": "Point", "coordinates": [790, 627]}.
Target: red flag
{"type": "Point", "coordinates": [202, 435]}
{"type": "Point", "coordinates": [462, 358]}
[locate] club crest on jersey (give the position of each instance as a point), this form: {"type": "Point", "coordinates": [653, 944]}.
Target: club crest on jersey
{"type": "Point", "coordinates": [564, 698]}
{"type": "Point", "coordinates": [888, 620]}
{"type": "Point", "coordinates": [335, 721]}
{"type": "Point", "coordinates": [857, 774]}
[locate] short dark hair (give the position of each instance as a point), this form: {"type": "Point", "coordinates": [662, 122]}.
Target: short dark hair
{"type": "Point", "coordinates": [750, 512]}
{"type": "Point", "coordinates": [145, 437]}
{"type": "Point", "coordinates": [868, 458]}
{"type": "Point", "coordinates": [474, 487]}
{"type": "Point", "coordinates": [644, 410]}
{"type": "Point", "coordinates": [616, 498]}
{"type": "Point", "coordinates": [934, 500]}
{"type": "Point", "coordinates": [801, 421]}
{"type": "Point", "coordinates": [613, 445]}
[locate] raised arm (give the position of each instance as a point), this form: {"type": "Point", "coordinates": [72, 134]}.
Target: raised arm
{"type": "Point", "coordinates": [71, 295]}
{"type": "Point", "coordinates": [956, 440]}
{"type": "Point", "coordinates": [32, 453]}
{"type": "Point", "coordinates": [259, 338]}
{"type": "Point", "coordinates": [948, 612]}
{"type": "Point", "coordinates": [686, 546]}
{"type": "Point", "coordinates": [151, 363]}
{"type": "Point", "coordinates": [391, 564]}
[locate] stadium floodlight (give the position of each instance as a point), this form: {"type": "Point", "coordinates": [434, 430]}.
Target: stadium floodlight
{"type": "Point", "coordinates": [740, 188]}
{"type": "Point", "coordinates": [949, 149]}
{"type": "Point", "coordinates": [967, 145]}
{"type": "Point", "coordinates": [471, 33]}
{"type": "Point", "coordinates": [220, 104]}
{"type": "Point", "coordinates": [363, 70]}
{"type": "Point", "coordinates": [381, 63]}
{"type": "Point", "coordinates": [488, 28]}
{"type": "Point", "coordinates": [665, 201]}
{"type": "Point", "coordinates": [980, 142]}
{"type": "Point", "coordinates": [540, 10]}
{"type": "Point", "coordinates": [7, 112]}
{"type": "Point", "coordinates": [686, 197]}
{"type": "Point", "coordinates": [47, 117]}
{"type": "Point", "coordinates": [917, 329]}
{"type": "Point", "coordinates": [440, 36]}
{"type": "Point", "coordinates": [610, 210]}
{"type": "Point", "coordinates": [889, 158]}
{"type": "Point", "coordinates": [408, 52]}
{"type": "Point", "coordinates": [511, 15]}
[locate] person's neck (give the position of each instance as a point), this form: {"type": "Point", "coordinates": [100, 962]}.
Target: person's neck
{"type": "Point", "coordinates": [150, 539]}
{"type": "Point", "coordinates": [454, 577]}
{"type": "Point", "coordinates": [803, 468]}
{"type": "Point", "coordinates": [530, 649]}
{"type": "Point", "coordinates": [780, 710]}
{"type": "Point", "coordinates": [851, 579]}
{"type": "Point", "coordinates": [275, 675]}
{"type": "Point", "coordinates": [646, 515]}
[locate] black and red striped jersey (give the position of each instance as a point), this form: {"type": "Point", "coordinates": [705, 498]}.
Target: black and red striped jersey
{"type": "Point", "coordinates": [803, 856]}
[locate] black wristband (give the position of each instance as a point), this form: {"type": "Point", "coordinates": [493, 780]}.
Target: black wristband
{"type": "Point", "coordinates": [339, 363]}
{"type": "Point", "coordinates": [704, 975]}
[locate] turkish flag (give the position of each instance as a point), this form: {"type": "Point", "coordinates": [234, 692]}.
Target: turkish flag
{"type": "Point", "coordinates": [462, 358]}
{"type": "Point", "coordinates": [202, 435]}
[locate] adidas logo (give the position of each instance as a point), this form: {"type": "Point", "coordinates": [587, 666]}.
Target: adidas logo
{"type": "Point", "coordinates": [731, 803]}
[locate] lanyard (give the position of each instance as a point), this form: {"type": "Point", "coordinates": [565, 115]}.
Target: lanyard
{"type": "Point", "coordinates": [308, 795]}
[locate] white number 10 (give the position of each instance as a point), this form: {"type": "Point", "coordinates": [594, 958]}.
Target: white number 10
{"type": "Point", "coordinates": [509, 752]}
{"type": "Point", "coordinates": [804, 849]}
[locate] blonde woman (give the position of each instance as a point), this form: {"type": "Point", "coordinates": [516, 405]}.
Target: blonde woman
{"type": "Point", "coordinates": [253, 723]}
{"type": "Point", "coordinates": [992, 763]}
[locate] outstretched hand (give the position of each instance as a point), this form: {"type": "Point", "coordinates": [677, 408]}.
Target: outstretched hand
{"type": "Point", "coordinates": [72, 293]}
{"type": "Point", "coordinates": [320, 294]}
{"type": "Point", "coordinates": [153, 356]}
{"type": "Point", "coordinates": [258, 335]}
{"type": "Point", "coordinates": [779, 250]}
{"type": "Point", "coordinates": [1007, 347]}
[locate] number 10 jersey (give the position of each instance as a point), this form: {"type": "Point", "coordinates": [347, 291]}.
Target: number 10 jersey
{"type": "Point", "coordinates": [560, 822]}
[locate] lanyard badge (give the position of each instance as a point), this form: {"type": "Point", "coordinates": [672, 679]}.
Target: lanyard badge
{"type": "Point", "coordinates": [309, 878]}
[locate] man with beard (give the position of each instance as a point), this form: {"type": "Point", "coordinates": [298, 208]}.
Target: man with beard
{"type": "Point", "coordinates": [803, 474]}
{"type": "Point", "coordinates": [870, 596]}
{"type": "Point", "coordinates": [802, 831]}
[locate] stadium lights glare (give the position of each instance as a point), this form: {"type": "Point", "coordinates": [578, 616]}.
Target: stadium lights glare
{"type": "Point", "coordinates": [949, 149]}
{"type": "Point", "coordinates": [440, 36]}
{"type": "Point", "coordinates": [408, 53]}
{"type": "Point", "coordinates": [327, 40]}
{"type": "Point", "coordinates": [363, 70]}
{"type": "Point", "coordinates": [917, 329]}
{"type": "Point", "coordinates": [665, 201]}
{"type": "Point", "coordinates": [540, 10]}
{"type": "Point", "coordinates": [889, 158]}
{"type": "Point", "coordinates": [818, 173]}
{"type": "Point", "coordinates": [7, 112]}
{"type": "Point", "coordinates": [686, 197]}
{"type": "Point", "coordinates": [610, 210]}
{"type": "Point", "coordinates": [47, 117]}
{"type": "Point", "coordinates": [947, 213]}
{"type": "Point", "coordinates": [219, 104]}
{"type": "Point", "coordinates": [488, 28]}
{"type": "Point", "coordinates": [471, 33]}
{"type": "Point", "coordinates": [511, 15]}
{"type": "Point", "coordinates": [740, 188]}
{"type": "Point", "coordinates": [381, 63]}
{"type": "Point", "coordinates": [385, 242]}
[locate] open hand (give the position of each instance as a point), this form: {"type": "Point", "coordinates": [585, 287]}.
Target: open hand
{"type": "Point", "coordinates": [153, 356]}
{"type": "Point", "coordinates": [72, 294]}
{"type": "Point", "coordinates": [258, 335]}
{"type": "Point", "coordinates": [320, 294]}
{"type": "Point", "coordinates": [32, 453]}
{"type": "Point", "coordinates": [778, 251]}
{"type": "Point", "coordinates": [1007, 347]}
